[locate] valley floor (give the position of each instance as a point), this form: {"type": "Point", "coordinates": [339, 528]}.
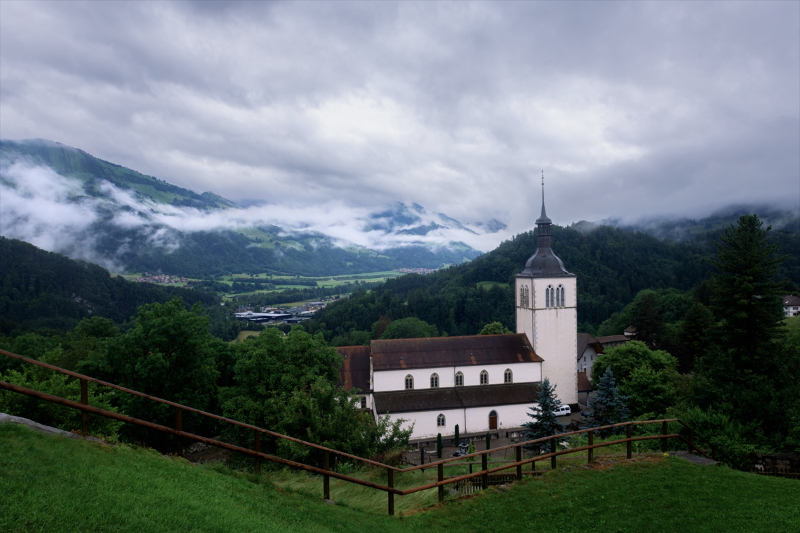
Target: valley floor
{"type": "Point", "coordinates": [49, 483]}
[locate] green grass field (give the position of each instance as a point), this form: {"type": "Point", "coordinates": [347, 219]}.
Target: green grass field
{"type": "Point", "coordinates": [55, 484]}
{"type": "Point", "coordinates": [792, 323]}
{"type": "Point", "coordinates": [489, 284]}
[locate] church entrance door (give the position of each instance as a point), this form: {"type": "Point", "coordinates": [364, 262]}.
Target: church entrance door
{"type": "Point", "coordinates": [493, 420]}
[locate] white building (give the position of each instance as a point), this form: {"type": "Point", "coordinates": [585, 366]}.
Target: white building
{"type": "Point", "coordinates": [791, 305]}
{"type": "Point", "coordinates": [481, 382]}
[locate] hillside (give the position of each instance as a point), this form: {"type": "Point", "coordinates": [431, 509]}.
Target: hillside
{"type": "Point", "coordinates": [46, 290]}
{"type": "Point", "coordinates": [54, 484]}
{"type": "Point", "coordinates": [68, 201]}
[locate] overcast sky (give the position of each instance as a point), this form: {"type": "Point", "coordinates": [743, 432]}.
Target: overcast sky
{"type": "Point", "coordinates": [631, 108]}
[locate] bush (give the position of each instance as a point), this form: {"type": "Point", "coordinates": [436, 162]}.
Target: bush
{"type": "Point", "coordinates": [721, 432]}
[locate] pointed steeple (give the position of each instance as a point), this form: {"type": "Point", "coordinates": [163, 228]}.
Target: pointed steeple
{"type": "Point", "coordinates": [544, 263]}
{"type": "Point", "coordinates": [543, 218]}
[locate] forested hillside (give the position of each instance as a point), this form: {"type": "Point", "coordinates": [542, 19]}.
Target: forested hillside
{"type": "Point", "coordinates": [46, 290]}
{"type": "Point", "coordinates": [612, 266]}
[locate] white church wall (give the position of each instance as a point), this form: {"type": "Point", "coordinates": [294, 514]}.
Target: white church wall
{"type": "Point", "coordinates": [470, 420]}
{"type": "Point", "coordinates": [556, 337]}
{"type": "Point", "coordinates": [392, 380]}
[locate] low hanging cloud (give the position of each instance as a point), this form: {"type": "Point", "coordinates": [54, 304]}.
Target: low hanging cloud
{"type": "Point", "coordinates": [631, 108]}
{"type": "Point", "coordinates": [53, 212]}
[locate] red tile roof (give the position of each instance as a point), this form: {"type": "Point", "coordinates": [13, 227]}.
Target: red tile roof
{"type": "Point", "coordinates": [451, 351]}
{"type": "Point", "coordinates": [354, 372]}
{"type": "Point", "coordinates": [584, 385]}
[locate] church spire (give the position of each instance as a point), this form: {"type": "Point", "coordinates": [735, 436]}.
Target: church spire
{"type": "Point", "coordinates": [543, 218]}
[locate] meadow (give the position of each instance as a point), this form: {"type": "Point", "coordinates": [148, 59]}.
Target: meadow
{"type": "Point", "coordinates": [55, 484]}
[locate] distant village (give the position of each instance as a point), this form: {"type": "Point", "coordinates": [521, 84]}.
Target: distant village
{"type": "Point", "coordinates": [159, 278]}
{"type": "Point", "coordinates": [279, 315]}
{"type": "Point", "coordinates": [416, 270]}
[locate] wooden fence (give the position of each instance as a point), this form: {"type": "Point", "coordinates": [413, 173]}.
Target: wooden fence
{"type": "Point", "coordinates": [480, 479]}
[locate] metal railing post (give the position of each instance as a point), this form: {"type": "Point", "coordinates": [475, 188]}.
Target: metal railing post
{"type": "Point", "coordinates": [628, 432]}
{"type": "Point", "coordinates": [179, 427]}
{"type": "Point", "coordinates": [84, 401]}
{"type": "Point", "coordinates": [440, 477]}
{"type": "Point", "coordinates": [326, 479]}
{"type": "Point", "coordinates": [519, 458]}
{"type": "Point", "coordinates": [390, 483]}
{"type": "Point", "coordinates": [664, 437]}
{"type": "Point", "coordinates": [553, 450]}
{"type": "Point", "coordinates": [591, 443]}
{"type": "Point", "coordinates": [257, 436]}
{"type": "Point", "coordinates": [484, 467]}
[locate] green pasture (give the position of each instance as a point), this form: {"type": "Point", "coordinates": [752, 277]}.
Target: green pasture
{"type": "Point", "coordinates": [792, 323]}
{"type": "Point", "coordinates": [489, 284]}
{"type": "Point", "coordinates": [55, 484]}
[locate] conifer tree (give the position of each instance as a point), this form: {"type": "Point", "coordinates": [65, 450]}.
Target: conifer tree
{"type": "Point", "coordinates": [608, 405]}
{"type": "Point", "coordinates": [545, 422]}
{"type": "Point", "coordinates": [456, 439]}
{"type": "Point", "coordinates": [439, 445]}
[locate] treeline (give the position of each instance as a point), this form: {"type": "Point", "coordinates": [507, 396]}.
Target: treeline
{"type": "Point", "coordinates": [612, 266]}
{"type": "Point", "coordinates": [286, 383]}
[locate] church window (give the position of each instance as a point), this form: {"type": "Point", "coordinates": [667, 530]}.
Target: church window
{"type": "Point", "coordinates": [560, 296]}
{"type": "Point", "coordinates": [459, 379]}
{"type": "Point", "coordinates": [508, 376]}
{"type": "Point", "coordinates": [484, 377]}
{"type": "Point", "coordinates": [363, 402]}
{"type": "Point", "coordinates": [434, 381]}
{"type": "Point", "coordinates": [409, 381]}
{"type": "Point", "coordinates": [550, 296]}
{"type": "Point", "coordinates": [440, 421]}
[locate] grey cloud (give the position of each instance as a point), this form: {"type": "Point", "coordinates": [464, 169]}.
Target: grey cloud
{"type": "Point", "coordinates": [630, 107]}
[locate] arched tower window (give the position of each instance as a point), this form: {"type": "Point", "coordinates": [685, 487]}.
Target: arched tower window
{"type": "Point", "coordinates": [434, 381]}
{"type": "Point", "coordinates": [440, 421]}
{"type": "Point", "coordinates": [550, 296]}
{"type": "Point", "coordinates": [459, 379]}
{"type": "Point", "coordinates": [508, 376]}
{"type": "Point", "coordinates": [409, 381]}
{"type": "Point", "coordinates": [560, 296]}
{"type": "Point", "coordinates": [484, 377]}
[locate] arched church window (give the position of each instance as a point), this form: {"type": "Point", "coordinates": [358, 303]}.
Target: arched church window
{"type": "Point", "coordinates": [484, 377]}
{"type": "Point", "coordinates": [434, 381]}
{"type": "Point", "coordinates": [508, 376]}
{"type": "Point", "coordinates": [409, 381]}
{"type": "Point", "coordinates": [440, 421]}
{"type": "Point", "coordinates": [560, 296]}
{"type": "Point", "coordinates": [550, 296]}
{"type": "Point", "coordinates": [459, 379]}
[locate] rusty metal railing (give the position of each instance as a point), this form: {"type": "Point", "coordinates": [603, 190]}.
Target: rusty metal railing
{"type": "Point", "coordinates": [325, 471]}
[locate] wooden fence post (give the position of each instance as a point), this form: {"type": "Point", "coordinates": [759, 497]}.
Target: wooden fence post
{"type": "Point", "coordinates": [179, 427]}
{"type": "Point", "coordinates": [326, 479]}
{"type": "Point", "coordinates": [553, 450]}
{"type": "Point", "coordinates": [628, 432]}
{"type": "Point", "coordinates": [591, 443]}
{"type": "Point", "coordinates": [257, 435]}
{"type": "Point", "coordinates": [390, 473]}
{"type": "Point", "coordinates": [519, 458]}
{"type": "Point", "coordinates": [440, 477]}
{"type": "Point", "coordinates": [84, 401]}
{"type": "Point", "coordinates": [484, 467]}
{"type": "Point", "coordinates": [664, 437]}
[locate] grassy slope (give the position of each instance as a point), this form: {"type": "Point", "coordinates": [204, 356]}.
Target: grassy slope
{"type": "Point", "coordinates": [55, 484]}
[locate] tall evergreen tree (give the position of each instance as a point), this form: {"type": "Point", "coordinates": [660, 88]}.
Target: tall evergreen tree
{"type": "Point", "coordinates": [545, 422]}
{"type": "Point", "coordinates": [694, 336]}
{"type": "Point", "coordinates": [744, 372]}
{"type": "Point", "coordinates": [647, 319]}
{"type": "Point", "coordinates": [608, 405]}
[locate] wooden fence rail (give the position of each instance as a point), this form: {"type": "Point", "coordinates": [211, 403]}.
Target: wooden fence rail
{"type": "Point", "coordinates": [481, 477]}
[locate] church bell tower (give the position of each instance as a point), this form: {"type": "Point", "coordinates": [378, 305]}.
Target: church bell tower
{"type": "Point", "coordinates": [546, 304]}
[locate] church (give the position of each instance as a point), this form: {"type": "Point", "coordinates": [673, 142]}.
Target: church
{"type": "Point", "coordinates": [480, 382]}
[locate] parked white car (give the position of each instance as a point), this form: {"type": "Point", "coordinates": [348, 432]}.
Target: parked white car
{"type": "Point", "coordinates": [563, 410]}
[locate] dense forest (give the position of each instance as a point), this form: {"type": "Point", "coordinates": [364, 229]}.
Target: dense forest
{"type": "Point", "coordinates": [612, 265]}
{"type": "Point", "coordinates": [47, 291]}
